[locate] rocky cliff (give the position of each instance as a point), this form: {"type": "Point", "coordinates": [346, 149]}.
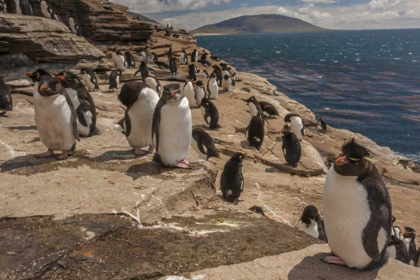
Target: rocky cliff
{"type": "Point", "coordinates": [80, 217]}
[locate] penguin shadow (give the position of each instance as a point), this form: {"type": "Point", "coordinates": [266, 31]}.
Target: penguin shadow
{"type": "Point", "coordinates": [26, 161]}
{"type": "Point", "coordinates": [241, 130]}
{"type": "Point", "coordinates": [206, 128]}
{"type": "Point", "coordinates": [246, 146]}
{"type": "Point", "coordinates": [3, 116]}
{"type": "Point", "coordinates": [149, 168]}
{"type": "Point", "coordinates": [312, 267]}
{"type": "Point", "coordinates": [22, 127]}
{"type": "Point", "coordinates": [116, 155]}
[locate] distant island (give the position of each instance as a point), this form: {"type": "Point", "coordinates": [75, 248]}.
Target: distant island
{"type": "Point", "coordinates": [258, 24]}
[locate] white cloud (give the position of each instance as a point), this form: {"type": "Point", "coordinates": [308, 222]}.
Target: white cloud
{"type": "Point", "coordinates": [156, 6]}
{"type": "Point", "coordinates": [320, 1]}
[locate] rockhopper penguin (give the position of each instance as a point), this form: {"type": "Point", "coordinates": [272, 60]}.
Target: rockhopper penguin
{"type": "Point", "coordinates": [190, 93]}
{"type": "Point", "coordinates": [357, 211]}
{"type": "Point", "coordinates": [203, 144]}
{"type": "Point", "coordinates": [213, 87]}
{"type": "Point", "coordinates": [6, 102]}
{"type": "Point", "coordinates": [232, 180]}
{"type": "Point", "coordinates": [172, 128]}
{"type": "Point", "coordinates": [53, 103]}
{"type": "Point", "coordinates": [296, 124]}
{"type": "Point", "coordinates": [140, 101]}
{"type": "Point", "coordinates": [89, 78]}
{"type": "Point", "coordinates": [292, 150]}
{"type": "Point", "coordinates": [82, 102]}
{"type": "Point", "coordinates": [311, 223]}
{"type": "Point", "coordinates": [255, 132]}
{"type": "Point", "coordinates": [210, 113]}
{"type": "Point", "coordinates": [114, 79]}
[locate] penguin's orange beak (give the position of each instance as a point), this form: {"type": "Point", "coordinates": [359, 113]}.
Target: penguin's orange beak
{"type": "Point", "coordinates": [341, 161]}
{"type": "Point", "coordinates": [172, 93]}
{"type": "Point", "coordinates": [43, 86]}
{"type": "Point", "coordinates": [28, 74]}
{"type": "Point", "coordinates": [61, 78]}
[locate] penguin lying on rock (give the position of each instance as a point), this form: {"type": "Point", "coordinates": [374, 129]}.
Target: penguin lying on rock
{"type": "Point", "coordinates": [357, 211]}
{"type": "Point", "coordinates": [311, 223]}
{"type": "Point", "coordinates": [268, 109]}
{"type": "Point", "coordinates": [203, 144]}
{"type": "Point", "coordinates": [232, 181]}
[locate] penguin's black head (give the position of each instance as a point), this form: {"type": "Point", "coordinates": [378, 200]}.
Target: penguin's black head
{"type": "Point", "coordinates": [49, 86]}
{"type": "Point", "coordinates": [199, 84]}
{"type": "Point", "coordinates": [286, 130]}
{"type": "Point", "coordinates": [36, 76]}
{"type": "Point", "coordinates": [239, 157]}
{"type": "Point", "coordinates": [68, 79]}
{"type": "Point", "coordinates": [205, 102]}
{"type": "Point", "coordinates": [310, 214]}
{"type": "Point", "coordinates": [172, 93]}
{"type": "Point", "coordinates": [353, 160]}
{"type": "Point", "coordinates": [212, 75]}
{"type": "Point", "coordinates": [252, 99]}
{"type": "Point", "coordinates": [409, 233]}
{"type": "Point", "coordinates": [226, 77]}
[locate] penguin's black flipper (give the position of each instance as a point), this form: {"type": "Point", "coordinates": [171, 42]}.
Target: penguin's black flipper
{"type": "Point", "coordinates": [81, 110]}
{"type": "Point", "coordinates": [380, 206]}
{"type": "Point", "coordinates": [135, 73]}
{"type": "Point", "coordinates": [303, 131]}
{"type": "Point", "coordinates": [199, 143]}
{"type": "Point", "coordinates": [73, 114]}
{"type": "Point", "coordinates": [223, 187]}
{"type": "Point", "coordinates": [156, 124]}
{"type": "Point", "coordinates": [85, 98]}
{"type": "Point", "coordinates": [127, 125]}
{"type": "Point", "coordinates": [206, 116]}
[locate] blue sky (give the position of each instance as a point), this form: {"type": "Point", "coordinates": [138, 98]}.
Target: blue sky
{"type": "Point", "coordinates": [333, 14]}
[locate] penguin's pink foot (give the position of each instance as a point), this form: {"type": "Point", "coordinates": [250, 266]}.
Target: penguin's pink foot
{"type": "Point", "coordinates": [334, 260]}
{"type": "Point", "coordinates": [139, 152]}
{"type": "Point", "coordinates": [63, 156]}
{"type": "Point", "coordinates": [47, 154]}
{"type": "Point", "coordinates": [241, 199]}
{"type": "Point", "coordinates": [152, 149]}
{"type": "Point", "coordinates": [184, 164]}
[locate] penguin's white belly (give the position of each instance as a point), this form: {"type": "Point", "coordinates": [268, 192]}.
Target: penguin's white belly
{"type": "Point", "coordinates": [346, 214]}
{"type": "Point", "coordinates": [175, 132]}
{"type": "Point", "coordinates": [72, 26]}
{"type": "Point", "coordinates": [119, 60]}
{"type": "Point", "coordinates": [392, 251]}
{"type": "Point", "coordinates": [190, 95]}
{"type": "Point", "coordinates": [53, 122]}
{"type": "Point", "coordinates": [44, 10]}
{"type": "Point", "coordinates": [18, 9]}
{"type": "Point", "coordinates": [194, 144]}
{"type": "Point", "coordinates": [296, 125]}
{"type": "Point", "coordinates": [214, 90]}
{"type": "Point", "coordinates": [226, 84]}
{"type": "Point", "coordinates": [141, 118]}
{"type": "Point", "coordinates": [199, 95]}
{"type": "Point", "coordinates": [253, 109]}
{"type": "Point", "coordinates": [312, 230]}
{"type": "Point", "coordinates": [88, 82]}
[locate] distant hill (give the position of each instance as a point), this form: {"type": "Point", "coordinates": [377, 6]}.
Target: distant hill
{"type": "Point", "coordinates": [258, 24]}
{"type": "Point", "coordinates": [141, 17]}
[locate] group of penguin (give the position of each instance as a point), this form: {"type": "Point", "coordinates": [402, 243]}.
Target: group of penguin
{"type": "Point", "coordinates": [358, 224]}
{"type": "Point", "coordinates": [24, 7]}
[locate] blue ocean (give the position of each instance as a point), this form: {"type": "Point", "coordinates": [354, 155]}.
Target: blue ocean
{"type": "Point", "coordinates": [364, 81]}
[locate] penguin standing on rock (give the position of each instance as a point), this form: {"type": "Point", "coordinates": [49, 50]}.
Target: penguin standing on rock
{"type": "Point", "coordinates": [232, 181]}
{"type": "Point", "coordinates": [140, 101]}
{"type": "Point", "coordinates": [23, 7]}
{"type": "Point", "coordinates": [192, 72]}
{"type": "Point", "coordinates": [210, 113]}
{"type": "Point", "coordinates": [47, 11]}
{"type": "Point", "coordinates": [234, 79]}
{"type": "Point", "coordinates": [6, 102]}
{"type": "Point", "coordinates": [173, 67]}
{"type": "Point", "coordinates": [357, 211]}
{"type": "Point", "coordinates": [254, 107]}
{"type": "Point", "coordinates": [409, 238]}
{"type": "Point", "coordinates": [184, 57]}
{"type": "Point", "coordinates": [55, 118]}
{"type": "Point", "coordinates": [213, 87]}
{"type": "Point", "coordinates": [292, 150]}
{"type": "Point", "coordinates": [114, 79]}
{"type": "Point", "coordinates": [153, 83]}
{"type": "Point", "coordinates": [189, 93]}
{"type": "Point", "coordinates": [203, 144]}
{"type": "Point", "coordinates": [311, 223]}
{"type": "Point", "coordinates": [194, 56]}
{"type": "Point", "coordinates": [74, 27]}
{"type": "Point", "coordinates": [129, 58]}
{"type": "Point", "coordinates": [323, 124]}
{"type": "Point", "coordinates": [397, 250]}
{"type": "Point", "coordinates": [89, 78]}
{"type": "Point", "coordinates": [172, 128]}
{"type": "Point", "coordinates": [255, 132]}
{"type": "Point", "coordinates": [226, 83]}
{"type": "Point", "coordinates": [82, 102]}
{"type": "Point", "coordinates": [218, 72]}
{"type": "Point", "coordinates": [296, 124]}
{"type": "Point", "coordinates": [119, 60]}
{"type": "Point", "coordinates": [268, 109]}
{"type": "Point", "coordinates": [143, 69]}
{"type": "Point", "coordinates": [200, 92]}
{"type": "Point", "coordinates": [170, 54]}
